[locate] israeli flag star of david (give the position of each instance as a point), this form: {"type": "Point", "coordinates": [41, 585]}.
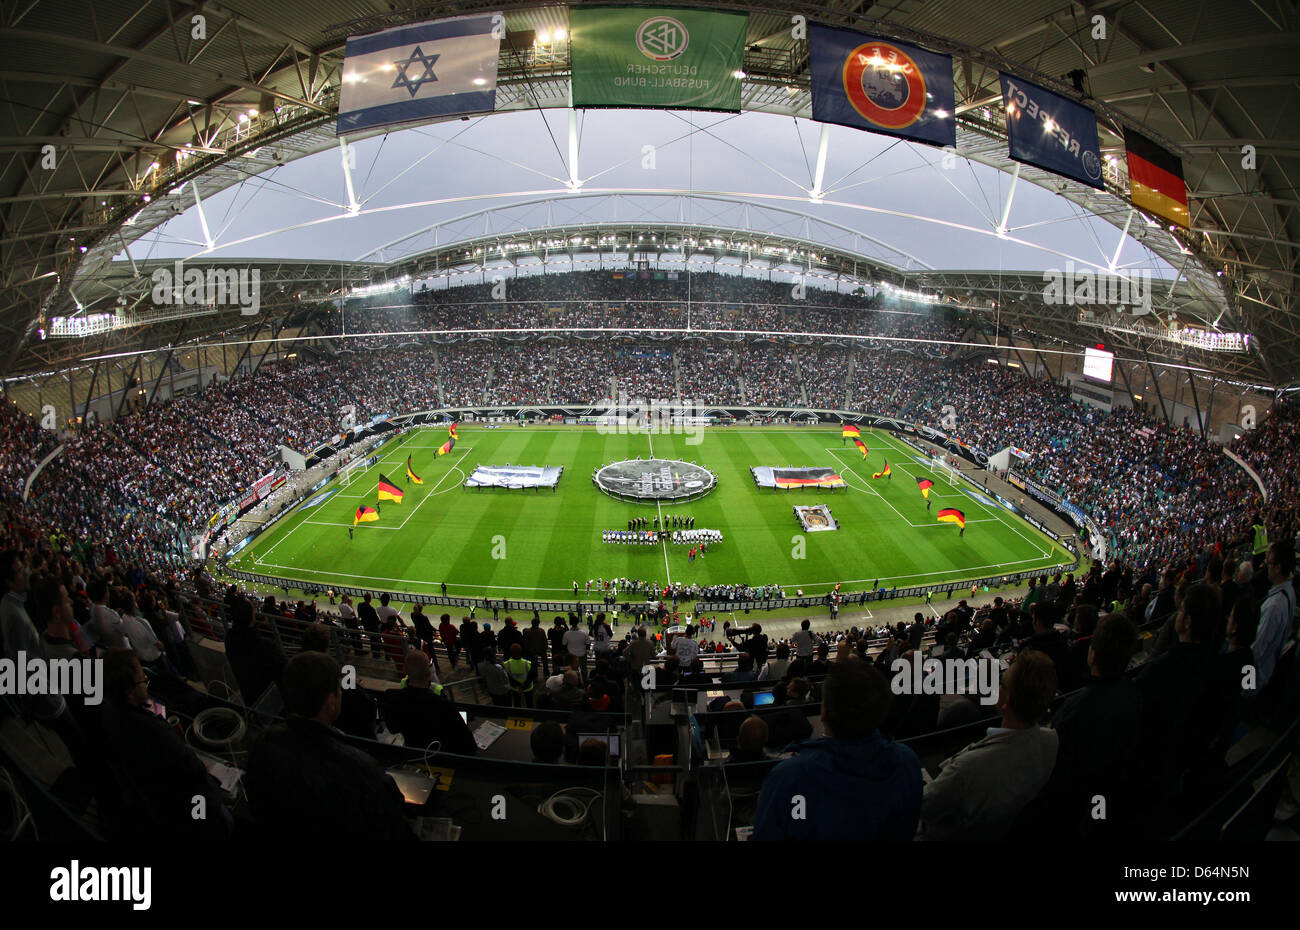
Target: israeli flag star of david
{"type": "Point", "coordinates": [420, 72]}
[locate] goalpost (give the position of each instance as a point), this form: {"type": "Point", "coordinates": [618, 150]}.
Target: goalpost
{"type": "Point", "coordinates": [354, 468]}
{"type": "Point", "coordinates": [941, 470]}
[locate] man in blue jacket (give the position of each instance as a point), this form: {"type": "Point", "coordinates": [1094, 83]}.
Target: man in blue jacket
{"type": "Point", "coordinates": [852, 784]}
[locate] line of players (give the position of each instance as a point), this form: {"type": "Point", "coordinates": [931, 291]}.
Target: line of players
{"type": "Point", "coordinates": [630, 537]}
{"type": "Point", "coordinates": [671, 522]}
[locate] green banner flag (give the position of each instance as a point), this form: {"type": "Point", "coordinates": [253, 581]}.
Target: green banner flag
{"type": "Point", "coordinates": [638, 57]}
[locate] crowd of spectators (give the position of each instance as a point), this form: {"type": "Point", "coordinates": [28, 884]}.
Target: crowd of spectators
{"type": "Point", "coordinates": [1155, 489]}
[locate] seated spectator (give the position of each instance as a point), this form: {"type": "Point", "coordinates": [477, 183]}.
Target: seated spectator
{"type": "Point", "coordinates": [158, 774]}
{"type": "Point", "coordinates": [304, 781]}
{"type": "Point", "coordinates": [423, 716]}
{"type": "Point", "coordinates": [744, 670]}
{"type": "Point", "coordinates": [547, 742]}
{"type": "Point", "coordinates": [980, 791]}
{"type": "Point", "coordinates": [571, 695]}
{"type": "Point", "coordinates": [750, 740]}
{"type": "Point", "coordinates": [854, 783]}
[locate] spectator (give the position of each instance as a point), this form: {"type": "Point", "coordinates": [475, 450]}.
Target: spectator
{"type": "Point", "coordinates": [424, 716]}
{"type": "Point", "coordinates": [852, 784]}
{"type": "Point", "coordinates": [980, 791]}
{"type": "Point", "coordinates": [304, 781]}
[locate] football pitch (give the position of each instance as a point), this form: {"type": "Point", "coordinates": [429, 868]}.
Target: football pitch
{"type": "Point", "coordinates": [533, 544]}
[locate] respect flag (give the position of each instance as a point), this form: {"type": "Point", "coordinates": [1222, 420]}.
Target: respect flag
{"type": "Point", "coordinates": [862, 447]}
{"type": "Point", "coordinates": [447, 446]}
{"type": "Point", "coordinates": [850, 431]}
{"type": "Point", "coordinates": [881, 85]}
{"type": "Point", "coordinates": [365, 515]}
{"type": "Point", "coordinates": [1155, 180]}
{"type": "Point", "coordinates": [883, 473]}
{"type": "Point", "coordinates": [389, 491]}
{"type": "Point", "coordinates": [645, 57]}
{"type": "Point", "coordinates": [420, 72]}
{"type": "Point", "coordinates": [1051, 131]}
{"type": "Point", "coordinates": [925, 484]}
{"type": "Point", "coordinates": [410, 473]}
{"type": "Point", "coordinates": [951, 516]}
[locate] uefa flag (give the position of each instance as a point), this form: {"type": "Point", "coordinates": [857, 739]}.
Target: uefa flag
{"type": "Point", "coordinates": [884, 473]}
{"type": "Point", "coordinates": [411, 474]}
{"type": "Point", "coordinates": [447, 446]}
{"type": "Point", "coordinates": [925, 484]}
{"type": "Point", "coordinates": [862, 447]}
{"type": "Point", "coordinates": [676, 58]}
{"type": "Point", "coordinates": [365, 515]}
{"type": "Point", "coordinates": [881, 85]}
{"type": "Point", "coordinates": [420, 72]}
{"type": "Point", "coordinates": [389, 491]}
{"type": "Point", "coordinates": [850, 431]}
{"type": "Point", "coordinates": [951, 516]}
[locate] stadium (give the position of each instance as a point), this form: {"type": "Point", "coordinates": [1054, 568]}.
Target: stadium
{"type": "Point", "coordinates": [612, 423]}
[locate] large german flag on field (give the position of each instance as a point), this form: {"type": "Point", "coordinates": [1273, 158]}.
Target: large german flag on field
{"type": "Point", "coordinates": [850, 432]}
{"type": "Point", "coordinates": [411, 474]}
{"type": "Point", "coordinates": [925, 484]}
{"type": "Point", "coordinates": [447, 446]}
{"type": "Point", "coordinates": [365, 515]}
{"type": "Point", "coordinates": [1155, 180]}
{"type": "Point", "coordinates": [883, 473]}
{"type": "Point", "coordinates": [452, 431]}
{"type": "Point", "coordinates": [951, 516]}
{"type": "Point", "coordinates": [862, 447]}
{"type": "Point", "coordinates": [389, 491]}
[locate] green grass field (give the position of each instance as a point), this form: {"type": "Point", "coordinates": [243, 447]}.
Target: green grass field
{"type": "Point", "coordinates": [534, 544]}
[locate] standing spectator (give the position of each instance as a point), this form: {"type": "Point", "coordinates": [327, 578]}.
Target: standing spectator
{"type": "Point", "coordinates": [576, 642]}
{"type": "Point", "coordinates": [523, 675]}
{"type": "Point", "coordinates": [535, 646]}
{"type": "Point", "coordinates": [495, 678]}
{"type": "Point", "coordinates": [1277, 614]}
{"type": "Point", "coordinates": [450, 638]}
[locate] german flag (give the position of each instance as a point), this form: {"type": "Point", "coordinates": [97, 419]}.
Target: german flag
{"type": "Point", "coordinates": [447, 446]}
{"type": "Point", "coordinates": [411, 474]}
{"type": "Point", "coordinates": [951, 516]}
{"type": "Point", "coordinates": [850, 432]}
{"type": "Point", "coordinates": [925, 484]}
{"type": "Point", "coordinates": [884, 473]}
{"type": "Point", "coordinates": [389, 491]}
{"type": "Point", "coordinates": [365, 515]}
{"type": "Point", "coordinates": [452, 431]}
{"type": "Point", "coordinates": [1155, 180]}
{"type": "Point", "coordinates": [862, 447]}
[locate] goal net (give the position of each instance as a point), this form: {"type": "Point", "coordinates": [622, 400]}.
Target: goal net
{"type": "Point", "coordinates": [944, 471]}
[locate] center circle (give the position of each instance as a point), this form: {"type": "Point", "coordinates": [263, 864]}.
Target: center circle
{"type": "Point", "coordinates": [655, 480]}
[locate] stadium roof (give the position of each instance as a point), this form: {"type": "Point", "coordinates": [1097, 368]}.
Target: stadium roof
{"type": "Point", "coordinates": [135, 106]}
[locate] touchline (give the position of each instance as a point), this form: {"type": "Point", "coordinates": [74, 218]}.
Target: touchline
{"type": "Point", "coordinates": [36, 675]}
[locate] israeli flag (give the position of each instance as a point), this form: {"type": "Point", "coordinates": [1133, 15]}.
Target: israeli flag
{"type": "Point", "coordinates": [420, 72]}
